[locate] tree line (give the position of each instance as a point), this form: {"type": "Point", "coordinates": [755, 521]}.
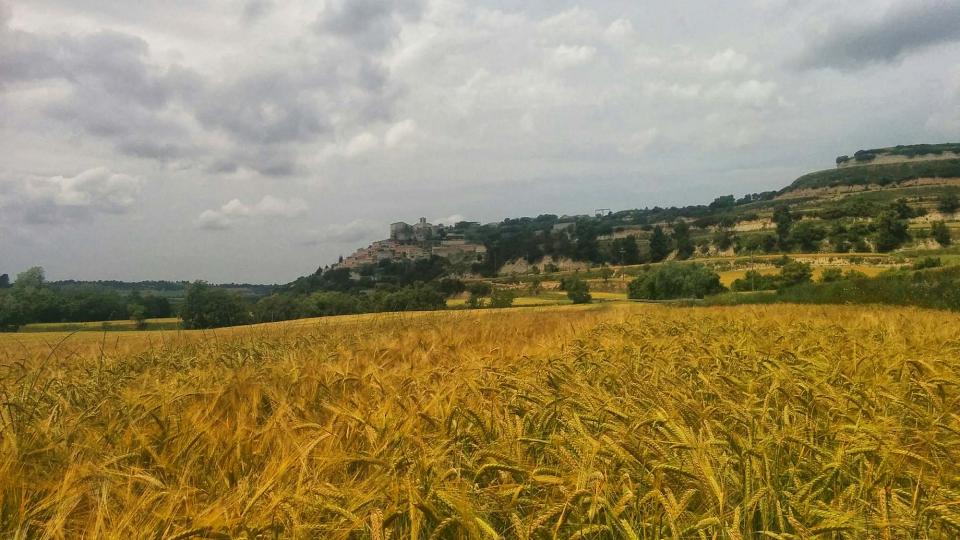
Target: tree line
{"type": "Point", "coordinates": [31, 299]}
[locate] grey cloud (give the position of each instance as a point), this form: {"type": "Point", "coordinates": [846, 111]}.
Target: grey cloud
{"type": "Point", "coordinates": [117, 92]}
{"type": "Point", "coordinates": [60, 199]}
{"type": "Point", "coordinates": [270, 107]}
{"type": "Point", "coordinates": [254, 10]}
{"type": "Point", "coordinates": [236, 211]}
{"type": "Point", "coordinates": [902, 30]}
{"type": "Point", "coordinates": [351, 233]}
{"type": "Point", "coordinates": [370, 24]}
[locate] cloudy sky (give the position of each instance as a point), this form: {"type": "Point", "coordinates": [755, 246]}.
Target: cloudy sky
{"type": "Point", "coordinates": [255, 140]}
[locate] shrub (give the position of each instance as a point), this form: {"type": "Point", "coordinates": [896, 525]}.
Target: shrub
{"type": "Point", "coordinates": [450, 287]}
{"type": "Point", "coordinates": [927, 262]}
{"type": "Point", "coordinates": [941, 233]}
{"type": "Point", "coordinates": [676, 281]}
{"type": "Point", "coordinates": [413, 298]}
{"type": "Point", "coordinates": [948, 203]}
{"type": "Point", "coordinates": [578, 291]}
{"type": "Point", "coordinates": [753, 280]}
{"type": "Point", "coordinates": [794, 273]}
{"type": "Point", "coordinates": [501, 298]}
{"type": "Point", "coordinates": [891, 231]}
{"type": "Point", "coordinates": [480, 288]}
{"type": "Point", "coordinates": [830, 275]}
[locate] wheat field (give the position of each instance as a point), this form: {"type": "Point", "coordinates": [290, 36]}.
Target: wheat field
{"type": "Point", "coordinates": [613, 421]}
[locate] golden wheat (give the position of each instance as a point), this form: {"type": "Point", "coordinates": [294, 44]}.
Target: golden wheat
{"type": "Point", "coordinates": [613, 422]}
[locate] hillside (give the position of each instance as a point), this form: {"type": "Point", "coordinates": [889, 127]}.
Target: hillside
{"type": "Point", "coordinates": [901, 153]}
{"type": "Point", "coordinates": [885, 174]}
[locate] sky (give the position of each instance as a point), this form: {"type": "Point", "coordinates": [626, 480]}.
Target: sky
{"type": "Point", "coordinates": [257, 140]}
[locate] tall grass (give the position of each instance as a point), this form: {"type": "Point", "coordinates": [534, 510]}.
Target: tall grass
{"type": "Point", "coordinates": [612, 422]}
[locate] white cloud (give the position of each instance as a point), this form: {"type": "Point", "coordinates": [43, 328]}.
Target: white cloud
{"type": "Point", "coordinates": [727, 61]}
{"type": "Point", "coordinates": [98, 189]}
{"type": "Point", "coordinates": [639, 141]}
{"type": "Point", "coordinates": [361, 144]}
{"type": "Point", "coordinates": [59, 199]}
{"type": "Point", "coordinates": [235, 211]}
{"type": "Point", "coordinates": [567, 56]}
{"type": "Point", "coordinates": [449, 220]}
{"type": "Point", "coordinates": [351, 233]}
{"type": "Point", "coordinates": [620, 30]}
{"type": "Point", "coordinates": [754, 92]}
{"type": "Point", "coordinates": [400, 133]}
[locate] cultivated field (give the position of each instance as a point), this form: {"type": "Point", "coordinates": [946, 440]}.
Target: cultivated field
{"type": "Point", "coordinates": [609, 421]}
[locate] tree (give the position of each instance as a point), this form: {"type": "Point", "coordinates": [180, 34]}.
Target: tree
{"type": "Point", "coordinates": [4, 281]}
{"type": "Point", "coordinates": [451, 287]}
{"type": "Point", "coordinates": [625, 250]}
{"type": "Point", "coordinates": [674, 280]}
{"type": "Point", "coordinates": [659, 245]}
{"type": "Point", "coordinates": [753, 280]}
{"type": "Point", "coordinates": [478, 291]}
{"type": "Point", "coordinates": [536, 287]}
{"type": "Point", "coordinates": [413, 298]}
{"type": "Point", "coordinates": [681, 238]}
{"type": "Point", "coordinates": [480, 288]}
{"type": "Point", "coordinates": [32, 278]}
{"type": "Point", "coordinates": [891, 231]}
{"type": "Point", "coordinates": [578, 291]}
{"type": "Point", "coordinates": [723, 240]}
{"type": "Point", "coordinates": [807, 235]}
{"type": "Point", "coordinates": [501, 298]}
{"type": "Point", "coordinates": [279, 307]}
{"type": "Point", "coordinates": [209, 307]}
{"type": "Point", "coordinates": [795, 273]}
{"type": "Point", "coordinates": [830, 275]}
{"type": "Point", "coordinates": [727, 201]}
{"type": "Point", "coordinates": [138, 314]}
{"type": "Point", "coordinates": [949, 203]}
{"type": "Point", "coordinates": [606, 273]}
{"type": "Point", "coordinates": [784, 221]}
{"type": "Point", "coordinates": [941, 233]}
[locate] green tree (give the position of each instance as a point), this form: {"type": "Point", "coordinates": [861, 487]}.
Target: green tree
{"type": "Point", "coordinates": [280, 307]}
{"type": "Point", "coordinates": [681, 239]}
{"type": "Point", "coordinates": [451, 287]}
{"type": "Point", "coordinates": [606, 273]}
{"type": "Point", "coordinates": [783, 219]}
{"type": "Point", "coordinates": [210, 307]}
{"type": "Point", "coordinates": [4, 281]}
{"type": "Point", "coordinates": [723, 240]}
{"type": "Point", "coordinates": [753, 280]}
{"type": "Point", "coordinates": [32, 278]}
{"type": "Point", "coordinates": [676, 281]}
{"type": "Point", "coordinates": [628, 250]}
{"type": "Point", "coordinates": [807, 235]}
{"type": "Point", "coordinates": [501, 298]}
{"type": "Point", "coordinates": [948, 203]}
{"type": "Point", "coordinates": [138, 314]}
{"type": "Point", "coordinates": [795, 273]}
{"type": "Point", "coordinates": [536, 287]}
{"type": "Point", "coordinates": [830, 275]}
{"type": "Point", "coordinates": [941, 233]}
{"type": "Point", "coordinates": [891, 231]}
{"type": "Point", "coordinates": [659, 245]}
{"type": "Point", "coordinates": [578, 291]}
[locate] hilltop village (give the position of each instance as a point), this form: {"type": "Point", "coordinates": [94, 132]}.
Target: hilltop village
{"type": "Point", "coordinates": [418, 241]}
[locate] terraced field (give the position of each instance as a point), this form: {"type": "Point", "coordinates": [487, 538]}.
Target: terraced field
{"type": "Point", "coordinates": [609, 421]}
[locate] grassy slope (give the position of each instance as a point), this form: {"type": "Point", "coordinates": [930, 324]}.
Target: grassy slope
{"type": "Point", "coordinates": [602, 422]}
{"type": "Point", "coordinates": [883, 174]}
